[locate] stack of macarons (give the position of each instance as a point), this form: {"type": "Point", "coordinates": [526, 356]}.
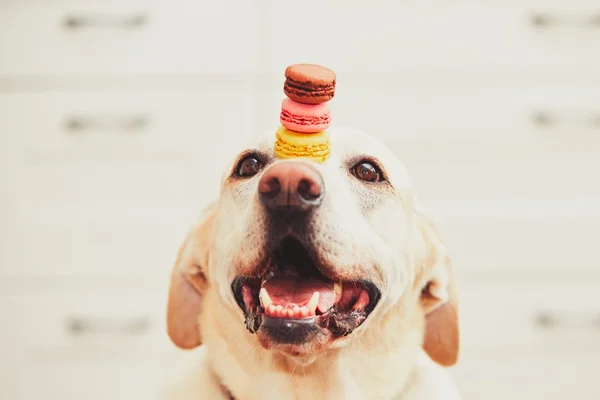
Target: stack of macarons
{"type": "Point", "coordinates": [305, 114]}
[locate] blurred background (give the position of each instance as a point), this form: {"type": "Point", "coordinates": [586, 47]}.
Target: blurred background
{"type": "Point", "coordinates": [115, 117]}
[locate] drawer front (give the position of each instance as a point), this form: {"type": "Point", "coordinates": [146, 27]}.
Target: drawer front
{"type": "Point", "coordinates": [129, 318]}
{"type": "Point", "coordinates": [105, 344]}
{"type": "Point", "coordinates": [527, 378]}
{"type": "Point", "coordinates": [95, 379]}
{"type": "Point", "coordinates": [512, 207]}
{"type": "Point", "coordinates": [505, 175]}
{"type": "Point", "coordinates": [95, 249]}
{"type": "Point", "coordinates": [50, 189]}
{"type": "Point", "coordinates": [513, 243]}
{"type": "Point", "coordinates": [518, 316]}
{"type": "Point", "coordinates": [529, 336]}
{"type": "Point", "coordinates": [103, 124]}
{"type": "Point", "coordinates": [417, 38]}
{"type": "Point", "coordinates": [89, 157]}
{"type": "Point", "coordinates": [398, 111]}
{"type": "Point", "coordinates": [132, 38]}
{"type": "Point", "coordinates": [111, 218]}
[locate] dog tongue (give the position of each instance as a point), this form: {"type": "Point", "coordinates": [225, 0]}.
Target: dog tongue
{"type": "Point", "coordinates": [292, 290]}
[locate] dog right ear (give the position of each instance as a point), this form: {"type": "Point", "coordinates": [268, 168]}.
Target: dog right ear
{"type": "Point", "coordinates": [188, 283]}
{"type": "Point", "coordinates": [439, 296]}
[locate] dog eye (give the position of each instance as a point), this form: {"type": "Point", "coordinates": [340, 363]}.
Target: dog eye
{"type": "Point", "coordinates": [249, 166]}
{"type": "Point", "coordinates": [365, 171]}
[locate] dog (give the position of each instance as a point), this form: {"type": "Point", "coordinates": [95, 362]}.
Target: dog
{"type": "Point", "coordinates": [315, 281]}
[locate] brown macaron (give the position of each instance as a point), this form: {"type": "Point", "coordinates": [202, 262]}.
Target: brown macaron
{"type": "Point", "coordinates": [309, 83]}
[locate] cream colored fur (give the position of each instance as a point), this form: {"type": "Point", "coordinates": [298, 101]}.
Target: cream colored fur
{"type": "Point", "coordinates": [399, 352]}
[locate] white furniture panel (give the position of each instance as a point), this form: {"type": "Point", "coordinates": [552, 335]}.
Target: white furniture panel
{"type": "Point", "coordinates": [531, 377]}
{"type": "Point", "coordinates": [528, 334]}
{"type": "Point", "coordinates": [107, 344]}
{"type": "Point", "coordinates": [56, 188]}
{"type": "Point", "coordinates": [122, 149]}
{"type": "Point", "coordinates": [515, 243]}
{"type": "Point", "coordinates": [97, 39]}
{"type": "Point", "coordinates": [497, 175]}
{"type": "Point", "coordinates": [132, 317]}
{"type": "Point", "coordinates": [98, 182]}
{"type": "Point", "coordinates": [98, 124]}
{"type": "Point", "coordinates": [392, 37]}
{"type": "Point", "coordinates": [398, 111]}
{"type": "Point", "coordinates": [548, 318]}
{"type": "Point", "coordinates": [96, 248]}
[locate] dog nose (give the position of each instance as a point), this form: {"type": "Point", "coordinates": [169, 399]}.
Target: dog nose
{"type": "Point", "coordinates": [291, 186]}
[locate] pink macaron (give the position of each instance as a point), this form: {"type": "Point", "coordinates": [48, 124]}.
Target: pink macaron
{"type": "Point", "coordinates": [304, 118]}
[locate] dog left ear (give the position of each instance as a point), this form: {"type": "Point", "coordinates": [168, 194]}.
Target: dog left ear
{"type": "Point", "coordinates": [188, 283]}
{"type": "Point", "coordinates": [439, 294]}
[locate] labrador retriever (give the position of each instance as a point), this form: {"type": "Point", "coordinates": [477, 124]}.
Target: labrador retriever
{"type": "Point", "coordinates": [316, 281]}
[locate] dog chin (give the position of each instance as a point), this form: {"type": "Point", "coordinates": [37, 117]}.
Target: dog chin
{"type": "Point", "coordinates": [293, 338]}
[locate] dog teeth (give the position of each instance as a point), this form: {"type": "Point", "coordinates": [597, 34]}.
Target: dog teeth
{"type": "Point", "coordinates": [312, 304]}
{"type": "Point", "coordinates": [337, 287]}
{"type": "Point", "coordinates": [293, 312]}
{"type": "Point", "coordinates": [265, 299]}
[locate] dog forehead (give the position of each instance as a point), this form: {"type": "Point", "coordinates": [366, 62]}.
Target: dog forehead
{"type": "Point", "coordinates": [346, 143]}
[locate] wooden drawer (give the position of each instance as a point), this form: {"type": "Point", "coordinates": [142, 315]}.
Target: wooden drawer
{"type": "Point", "coordinates": [106, 343]}
{"type": "Point", "coordinates": [446, 113]}
{"type": "Point", "coordinates": [420, 38]}
{"type": "Point", "coordinates": [127, 38]}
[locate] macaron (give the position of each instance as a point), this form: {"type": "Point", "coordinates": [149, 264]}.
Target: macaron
{"type": "Point", "coordinates": [309, 83]}
{"type": "Point", "coordinates": [304, 118]}
{"type": "Point", "coordinates": [314, 146]}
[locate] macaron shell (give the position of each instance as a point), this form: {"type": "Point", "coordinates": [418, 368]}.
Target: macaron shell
{"type": "Point", "coordinates": [309, 83]}
{"type": "Point", "coordinates": [313, 146]}
{"type": "Point", "coordinates": [311, 73]}
{"type": "Point", "coordinates": [304, 118]}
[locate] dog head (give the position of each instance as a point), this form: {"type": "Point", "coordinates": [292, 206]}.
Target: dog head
{"type": "Point", "coordinates": [311, 255]}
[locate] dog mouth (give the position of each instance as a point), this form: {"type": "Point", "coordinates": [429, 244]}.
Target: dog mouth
{"type": "Point", "coordinates": [294, 295]}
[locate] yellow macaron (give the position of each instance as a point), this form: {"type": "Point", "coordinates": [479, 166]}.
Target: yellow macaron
{"type": "Point", "coordinates": [314, 146]}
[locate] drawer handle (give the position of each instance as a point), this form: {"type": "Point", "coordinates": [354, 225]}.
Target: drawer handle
{"type": "Point", "coordinates": [551, 320]}
{"type": "Point", "coordinates": [543, 118]}
{"type": "Point", "coordinates": [546, 119]}
{"type": "Point", "coordinates": [80, 326]}
{"type": "Point", "coordinates": [541, 20]}
{"type": "Point", "coordinates": [546, 320]}
{"type": "Point", "coordinates": [77, 22]}
{"type": "Point", "coordinates": [79, 124]}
